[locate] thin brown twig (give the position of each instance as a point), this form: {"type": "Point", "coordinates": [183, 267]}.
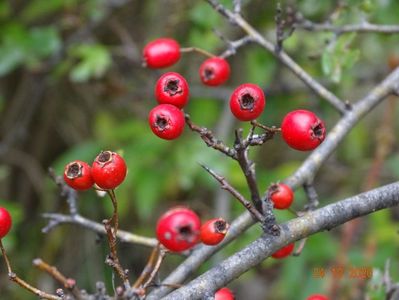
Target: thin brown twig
{"type": "Point", "coordinates": [198, 50]}
{"type": "Point", "coordinates": [155, 269]}
{"type": "Point", "coordinates": [13, 277]}
{"type": "Point", "coordinates": [148, 268]}
{"type": "Point", "coordinates": [68, 283]}
{"type": "Point", "coordinates": [209, 139]}
{"type": "Point", "coordinates": [227, 186]}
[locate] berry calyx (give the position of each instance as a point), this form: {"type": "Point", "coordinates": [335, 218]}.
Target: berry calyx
{"type": "Point", "coordinates": [172, 88]}
{"type": "Point", "coordinates": [77, 175]}
{"type": "Point", "coordinates": [166, 121]}
{"type": "Point", "coordinates": [108, 170]}
{"type": "Point", "coordinates": [161, 53]}
{"type": "Point", "coordinates": [281, 195]}
{"type": "Point", "coordinates": [303, 130]}
{"type": "Point", "coordinates": [178, 229]}
{"type": "Point", "coordinates": [213, 231]}
{"type": "Point", "coordinates": [317, 297]}
{"type": "Point", "coordinates": [5, 222]}
{"type": "Point", "coordinates": [284, 252]}
{"type": "Point", "coordinates": [247, 102]}
{"type": "Point", "coordinates": [214, 71]}
{"type": "Point", "coordinates": [224, 294]}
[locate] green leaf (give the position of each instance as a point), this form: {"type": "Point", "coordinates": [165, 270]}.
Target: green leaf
{"type": "Point", "coordinates": [94, 61]}
{"type": "Point", "coordinates": [41, 8]}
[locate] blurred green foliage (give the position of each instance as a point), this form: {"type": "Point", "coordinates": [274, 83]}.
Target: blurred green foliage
{"type": "Point", "coordinates": [100, 98]}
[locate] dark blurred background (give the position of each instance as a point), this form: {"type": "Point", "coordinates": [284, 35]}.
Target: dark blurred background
{"type": "Point", "coordinates": [72, 84]}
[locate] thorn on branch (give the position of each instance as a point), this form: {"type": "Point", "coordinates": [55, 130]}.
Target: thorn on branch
{"type": "Point", "coordinates": [313, 198]}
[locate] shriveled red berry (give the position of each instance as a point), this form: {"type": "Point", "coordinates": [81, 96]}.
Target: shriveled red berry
{"type": "Point", "coordinates": [284, 252]}
{"type": "Point", "coordinates": [303, 130]}
{"type": "Point", "coordinates": [109, 170]}
{"type": "Point", "coordinates": [281, 195]}
{"type": "Point", "coordinates": [5, 222]}
{"type": "Point", "coordinates": [317, 297]}
{"type": "Point", "coordinates": [172, 88]}
{"type": "Point", "coordinates": [213, 231]}
{"type": "Point", "coordinates": [166, 121]}
{"type": "Point", "coordinates": [77, 175]}
{"type": "Point", "coordinates": [178, 229]}
{"type": "Point", "coordinates": [214, 71]}
{"type": "Point", "coordinates": [247, 102]}
{"type": "Point", "coordinates": [224, 294]}
{"type": "Point", "coordinates": [161, 53]}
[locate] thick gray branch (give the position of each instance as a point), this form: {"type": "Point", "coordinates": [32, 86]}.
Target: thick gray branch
{"type": "Point", "coordinates": [322, 219]}
{"type": "Point", "coordinates": [360, 28]}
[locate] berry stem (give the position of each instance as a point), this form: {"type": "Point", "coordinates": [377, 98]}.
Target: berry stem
{"type": "Point", "coordinates": [13, 277]}
{"type": "Point", "coordinates": [198, 50]}
{"type": "Point", "coordinates": [111, 227]}
{"type": "Point", "coordinates": [148, 268]}
{"type": "Point", "coordinates": [161, 256]}
{"type": "Point", "coordinates": [69, 284]}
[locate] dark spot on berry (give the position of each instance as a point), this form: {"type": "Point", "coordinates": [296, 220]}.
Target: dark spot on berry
{"type": "Point", "coordinates": [186, 233]}
{"type": "Point", "coordinates": [220, 226]}
{"type": "Point", "coordinates": [247, 101]}
{"type": "Point", "coordinates": [161, 123]}
{"type": "Point", "coordinates": [104, 156]}
{"type": "Point", "coordinates": [172, 87]}
{"type": "Point", "coordinates": [318, 131]}
{"type": "Point", "coordinates": [74, 170]}
{"type": "Point", "coordinates": [209, 74]}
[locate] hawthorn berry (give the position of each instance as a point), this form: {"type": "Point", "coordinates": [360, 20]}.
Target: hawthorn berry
{"type": "Point", "coordinates": [247, 102]}
{"type": "Point", "coordinates": [77, 175]}
{"type": "Point", "coordinates": [172, 88]}
{"type": "Point", "coordinates": [161, 53]}
{"type": "Point", "coordinates": [166, 121]}
{"type": "Point", "coordinates": [284, 252]}
{"type": "Point", "coordinates": [214, 71]}
{"type": "Point", "coordinates": [213, 231]}
{"type": "Point", "coordinates": [5, 222]}
{"type": "Point", "coordinates": [281, 195]}
{"type": "Point", "coordinates": [303, 130]}
{"type": "Point", "coordinates": [178, 229]}
{"type": "Point", "coordinates": [108, 170]}
{"type": "Point", "coordinates": [224, 294]}
{"type": "Point", "coordinates": [317, 297]}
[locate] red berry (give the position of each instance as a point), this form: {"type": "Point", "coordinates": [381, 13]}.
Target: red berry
{"type": "Point", "coordinates": [213, 231]}
{"type": "Point", "coordinates": [303, 130]}
{"type": "Point", "coordinates": [247, 102]}
{"type": "Point", "coordinates": [178, 229]}
{"type": "Point", "coordinates": [317, 297]}
{"type": "Point", "coordinates": [224, 294]}
{"type": "Point", "coordinates": [284, 252]}
{"type": "Point", "coordinates": [166, 121]}
{"type": "Point", "coordinates": [161, 53]}
{"type": "Point", "coordinates": [108, 170]}
{"type": "Point", "coordinates": [281, 195]}
{"type": "Point", "coordinates": [5, 222]}
{"type": "Point", "coordinates": [214, 71]}
{"type": "Point", "coordinates": [172, 88]}
{"type": "Point", "coordinates": [77, 175]}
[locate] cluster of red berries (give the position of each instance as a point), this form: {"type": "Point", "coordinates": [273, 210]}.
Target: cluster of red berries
{"type": "Point", "coordinates": [301, 129]}
{"type": "Point", "coordinates": [180, 229]}
{"type": "Point", "coordinates": [107, 172]}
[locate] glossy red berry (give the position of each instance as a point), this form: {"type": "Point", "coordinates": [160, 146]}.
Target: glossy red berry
{"type": "Point", "coordinates": [77, 175]}
{"type": "Point", "coordinates": [247, 102]}
{"type": "Point", "coordinates": [172, 88]}
{"type": "Point", "coordinates": [5, 222]}
{"type": "Point", "coordinates": [214, 71]}
{"type": "Point", "coordinates": [281, 195]}
{"type": "Point", "coordinates": [166, 121]}
{"type": "Point", "coordinates": [303, 130]}
{"type": "Point", "coordinates": [224, 294]}
{"type": "Point", "coordinates": [213, 231]}
{"type": "Point", "coordinates": [178, 229]}
{"type": "Point", "coordinates": [161, 53]}
{"type": "Point", "coordinates": [284, 252]}
{"type": "Point", "coordinates": [317, 297]}
{"type": "Point", "coordinates": [108, 170]}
